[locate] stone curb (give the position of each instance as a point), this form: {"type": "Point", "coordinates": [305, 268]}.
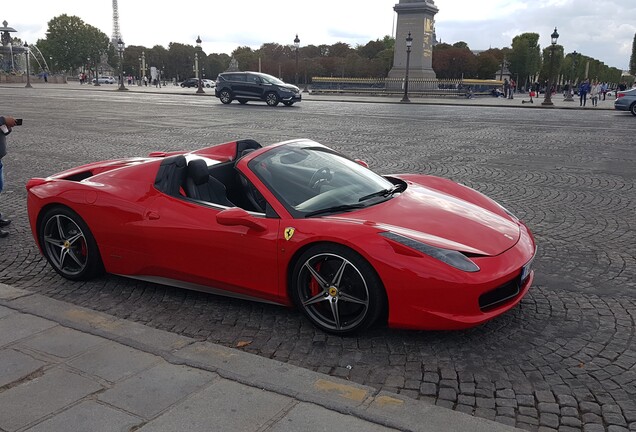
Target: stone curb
{"type": "Point", "coordinates": [384, 408]}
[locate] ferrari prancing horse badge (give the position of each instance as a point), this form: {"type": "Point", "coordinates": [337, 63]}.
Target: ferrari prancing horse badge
{"type": "Point", "coordinates": [289, 233]}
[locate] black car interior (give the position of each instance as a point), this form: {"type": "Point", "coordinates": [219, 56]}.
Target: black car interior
{"type": "Point", "coordinates": [218, 184]}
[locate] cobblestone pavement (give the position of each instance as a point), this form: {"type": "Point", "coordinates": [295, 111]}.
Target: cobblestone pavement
{"type": "Point", "coordinates": [565, 359]}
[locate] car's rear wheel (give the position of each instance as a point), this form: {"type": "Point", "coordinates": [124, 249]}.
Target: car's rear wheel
{"type": "Point", "coordinates": [288, 103]}
{"type": "Point", "coordinates": [632, 109]}
{"type": "Point", "coordinates": [225, 96]}
{"type": "Point", "coordinates": [69, 245]}
{"type": "Point", "coordinates": [242, 101]}
{"type": "Point", "coordinates": [337, 289]}
{"type": "Point", "coordinates": [272, 99]}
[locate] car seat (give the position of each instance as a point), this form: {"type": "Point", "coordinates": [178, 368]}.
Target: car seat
{"type": "Point", "coordinates": [200, 185]}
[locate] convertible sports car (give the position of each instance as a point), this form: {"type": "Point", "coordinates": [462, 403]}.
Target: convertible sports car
{"type": "Point", "coordinates": [294, 223]}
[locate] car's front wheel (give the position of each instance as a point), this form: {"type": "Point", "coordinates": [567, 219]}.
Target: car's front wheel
{"type": "Point", "coordinates": [272, 99]}
{"type": "Point", "coordinates": [225, 96]}
{"type": "Point", "coordinates": [337, 289]}
{"type": "Point", "coordinates": [69, 245]}
{"type": "Point", "coordinates": [632, 109]}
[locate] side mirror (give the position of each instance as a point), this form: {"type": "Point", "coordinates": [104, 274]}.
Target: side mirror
{"type": "Point", "coordinates": [238, 217]}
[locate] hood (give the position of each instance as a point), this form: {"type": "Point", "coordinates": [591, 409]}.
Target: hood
{"type": "Point", "coordinates": [441, 220]}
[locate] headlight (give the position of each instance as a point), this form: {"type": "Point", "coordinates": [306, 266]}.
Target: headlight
{"type": "Point", "coordinates": [285, 89]}
{"type": "Point", "coordinates": [451, 257]}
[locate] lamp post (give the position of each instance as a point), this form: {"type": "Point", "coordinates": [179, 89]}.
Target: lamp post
{"type": "Point", "coordinates": [139, 79]}
{"type": "Point", "coordinates": [97, 72]}
{"type": "Point", "coordinates": [196, 65]}
{"type": "Point", "coordinates": [297, 46]}
{"type": "Point", "coordinates": [26, 52]}
{"type": "Point", "coordinates": [548, 91]}
{"type": "Point", "coordinates": [120, 48]}
{"type": "Point", "coordinates": [409, 43]}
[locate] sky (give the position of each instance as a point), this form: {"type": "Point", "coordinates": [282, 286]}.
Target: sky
{"type": "Point", "coordinates": [602, 29]}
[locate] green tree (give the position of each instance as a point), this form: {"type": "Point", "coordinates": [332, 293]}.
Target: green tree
{"type": "Point", "coordinates": [451, 62]}
{"type": "Point", "coordinates": [632, 60]}
{"type": "Point", "coordinates": [525, 57]}
{"type": "Point", "coordinates": [70, 41]}
{"type": "Point", "coordinates": [551, 67]}
{"type": "Point", "coordinates": [488, 63]}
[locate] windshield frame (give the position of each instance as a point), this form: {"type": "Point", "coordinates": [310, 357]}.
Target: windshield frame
{"type": "Point", "coordinates": [267, 168]}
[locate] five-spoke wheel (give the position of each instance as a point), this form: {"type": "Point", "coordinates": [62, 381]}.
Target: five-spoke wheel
{"type": "Point", "coordinates": [225, 96]}
{"type": "Point", "coordinates": [337, 289]}
{"type": "Point", "coordinates": [272, 99]}
{"type": "Point", "coordinates": [68, 244]}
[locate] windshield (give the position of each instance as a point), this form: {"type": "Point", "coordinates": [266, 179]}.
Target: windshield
{"type": "Point", "coordinates": [271, 79]}
{"type": "Point", "coordinates": [316, 181]}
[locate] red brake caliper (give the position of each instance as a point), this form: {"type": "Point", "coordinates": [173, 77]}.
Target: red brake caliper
{"type": "Point", "coordinates": [314, 286]}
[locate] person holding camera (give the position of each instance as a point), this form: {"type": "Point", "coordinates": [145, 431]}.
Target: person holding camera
{"type": "Point", "coordinates": [6, 123]}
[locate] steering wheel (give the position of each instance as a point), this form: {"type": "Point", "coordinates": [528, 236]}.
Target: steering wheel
{"type": "Point", "coordinates": [320, 176]}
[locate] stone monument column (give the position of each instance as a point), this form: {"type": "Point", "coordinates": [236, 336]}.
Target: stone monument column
{"type": "Point", "coordinates": [417, 17]}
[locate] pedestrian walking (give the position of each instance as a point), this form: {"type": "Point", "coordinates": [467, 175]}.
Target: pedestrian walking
{"type": "Point", "coordinates": [511, 91]}
{"type": "Point", "coordinates": [6, 123]}
{"type": "Point", "coordinates": [584, 89]}
{"type": "Point", "coordinates": [595, 90]}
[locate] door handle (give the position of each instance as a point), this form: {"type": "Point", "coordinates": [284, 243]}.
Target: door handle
{"type": "Point", "coordinates": [152, 215]}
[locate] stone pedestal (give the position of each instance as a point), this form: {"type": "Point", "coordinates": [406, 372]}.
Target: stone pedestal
{"type": "Point", "coordinates": [417, 17]}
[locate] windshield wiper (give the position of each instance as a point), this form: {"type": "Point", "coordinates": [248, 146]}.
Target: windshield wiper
{"type": "Point", "coordinates": [334, 209]}
{"type": "Point", "coordinates": [384, 192]}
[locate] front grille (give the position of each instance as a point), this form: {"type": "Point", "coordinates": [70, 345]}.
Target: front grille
{"type": "Point", "coordinates": [499, 295]}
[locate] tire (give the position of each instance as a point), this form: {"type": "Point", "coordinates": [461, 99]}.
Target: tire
{"type": "Point", "coordinates": [69, 245]}
{"type": "Point", "coordinates": [242, 101]}
{"type": "Point", "coordinates": [337, 289]}
{"type": "Point", "coordinates": [182, 85]}
{"type": "Point", "coordinates": [288, 103]}
{"type": "Point", "coordinates": [632, 108]}
{"type": "Point", "coordinates": [225, 96]}
{"type": "Point", "coordinates": [272, 99]}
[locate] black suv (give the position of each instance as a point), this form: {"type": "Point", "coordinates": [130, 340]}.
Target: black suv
{"type": "Point", "coordinates": [255, 86]}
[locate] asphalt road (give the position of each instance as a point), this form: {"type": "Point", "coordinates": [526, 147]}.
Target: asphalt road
{"type": "Point", "coordinates": [564, 359]}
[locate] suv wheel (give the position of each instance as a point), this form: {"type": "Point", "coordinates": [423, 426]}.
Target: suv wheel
{"type": "Point", "coordinates": [633, 108]}
{"type": "Point", "coordinates": [271, 98]}
{"type": "Point", "coordinates": [225, 96]}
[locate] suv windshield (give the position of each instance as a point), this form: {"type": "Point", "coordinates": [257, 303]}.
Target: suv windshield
{"type": "Point", "coordinates": [271, 79]}
{"type": "Point", "coordinates": [315, 181]}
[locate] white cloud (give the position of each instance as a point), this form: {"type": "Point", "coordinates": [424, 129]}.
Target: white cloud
{"type": "Point", "coordinates": [603, 29]}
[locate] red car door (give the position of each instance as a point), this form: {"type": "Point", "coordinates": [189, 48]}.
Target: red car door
{"type": "Point", "coordinates": [190, 245]}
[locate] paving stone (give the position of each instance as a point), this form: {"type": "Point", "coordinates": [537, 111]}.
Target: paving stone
{"type": "Point", "coordinates": [549, 420]}
{"type": "Point", "coordinates": [163, 385]}
{"type": "Point", "coordinates": [15, 365]}
{"type": "Point", "coordinates": [549, 408]}
{"type": "Point", "coordinates": [114, 361]}
{"type": "Point", "coordinates": [43, 395]}
{"type": "Point", "coordinates": [14, 327]}
{"type": "Point", "coordinates": [63, 342]}
{"type": "Point", "coordinates": [89, 416]}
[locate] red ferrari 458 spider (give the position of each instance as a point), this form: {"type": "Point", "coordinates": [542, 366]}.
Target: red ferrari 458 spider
{"type": "Point", "coordinates": [294, 223]}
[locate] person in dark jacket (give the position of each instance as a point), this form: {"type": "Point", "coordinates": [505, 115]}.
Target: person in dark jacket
{"type": "Point", "coordinates": [6, 123]}
{"type": "Point", "coordinates": [584, 89]}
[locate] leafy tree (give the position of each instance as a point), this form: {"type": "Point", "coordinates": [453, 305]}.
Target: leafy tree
{"type": "Point", "coordinates": [371, 49]}
{"type": "Point", "coordinates": [551, 66]}
{"type": "Point", "coordinates": [487, 65]}
{"type": "Point", "coordinates": [461, 44]}
{"type": "Point", "coordinates": [450, 62]}
{"type": "Point", "coordinates": [180, 63]}
{"type": "Point", "coordinates": [632, 60]}
{"type": "Point", "coordinates": [70, 41]}
{"type": "Point", "coordinates": [525, 56]}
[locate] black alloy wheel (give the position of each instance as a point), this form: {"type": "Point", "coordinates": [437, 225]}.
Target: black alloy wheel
{"type": "Point", "coordinates": [69, 245]}
{"type": "Point", "coordinates": [337, 289]}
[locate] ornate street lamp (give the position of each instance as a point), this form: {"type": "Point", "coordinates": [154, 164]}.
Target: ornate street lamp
{"type": "Point", "coordinates": [548, 91]}
{"type": "Point", "coordinates": [120, 48]}
{"type": "Point", "coordinates": [196, 66]}
{"type": "Point", "coordinates": [297, 46]}
{"type": "Point", "coordinates": [26, 52]}
{"type": "Point", "coordinates": [409, 44]}
{"type": "Point", "coordinates": [306, 89]}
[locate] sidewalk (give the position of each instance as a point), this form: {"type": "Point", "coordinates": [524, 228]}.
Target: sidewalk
{"type": "Point", "coordinates": [489, 101]}
{"type": "Point", "coordinates": [66, 368]}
